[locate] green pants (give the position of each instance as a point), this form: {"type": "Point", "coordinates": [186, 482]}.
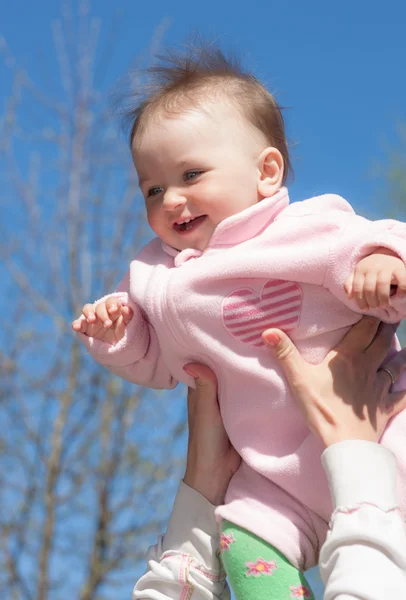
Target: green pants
{"type": "Point", "coordinates": [257, 570]}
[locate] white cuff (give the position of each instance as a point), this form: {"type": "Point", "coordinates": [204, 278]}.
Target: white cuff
{"type": "Point", "coordinates": [361, 472]}
{"type": "Point", "coordinates": [192, 528]}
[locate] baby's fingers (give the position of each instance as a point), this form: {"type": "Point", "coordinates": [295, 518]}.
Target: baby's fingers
{"type": "Point", "coordinates": [358, 289]}
{"type": "Point", "coordinates": [80, 325]}
{"type": "Point", "coordinates": [119, 328]}
{"type": "Point", "coordinates": [383, 288]}
{"type": "Point", "coordinates": [127, 314]}
{"type": "Point", "coordinates": [370, 292]}
{"type": "Point", "coordinates": [113, 308]}
{"type": "Point", "coordinates": [89, 313]}
{"type": "Point", "coordinates": [348, 285]}
{"type": "Point", "coordinates": [122, 321]}
{"type": "Point", "coordinates": [399, 278]}
{"type": "Point", "coordinates": [103, 315]}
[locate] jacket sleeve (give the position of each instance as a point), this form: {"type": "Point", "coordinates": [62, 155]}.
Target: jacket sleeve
{"type": "Point", "coordinates": [184, 563]}
{"type": "Point", "coordinates": [364, 556]}
{"type": "Point", "coordinates": [355, 240]}
{"type": "Point", "coordinates": [137, 356]}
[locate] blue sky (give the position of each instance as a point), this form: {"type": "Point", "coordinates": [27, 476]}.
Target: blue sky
{"type": "Point", "coordinates": [338, 67]}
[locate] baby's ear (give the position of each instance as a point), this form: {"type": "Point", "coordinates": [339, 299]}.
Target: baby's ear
{"type": "Point", "coordinates": [270, 172]}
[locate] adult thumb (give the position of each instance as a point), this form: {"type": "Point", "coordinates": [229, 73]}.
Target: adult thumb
{"type": "Point", "coordinates": [204, 377]}
{"type": "Point", "coordinates": [285, 352]}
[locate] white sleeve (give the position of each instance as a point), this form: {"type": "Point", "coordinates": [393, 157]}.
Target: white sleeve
{"type": "Point", "coordinates": [364, 556]}
{"type": "Point", "coordinates": [185, 564]}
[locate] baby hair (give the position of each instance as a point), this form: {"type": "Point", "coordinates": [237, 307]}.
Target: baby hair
{"type": "Point", "coordinates": [181, 80]}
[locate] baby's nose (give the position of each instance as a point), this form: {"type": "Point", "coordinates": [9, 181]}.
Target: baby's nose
{"type": "Point", "coordinates": [173, 199]}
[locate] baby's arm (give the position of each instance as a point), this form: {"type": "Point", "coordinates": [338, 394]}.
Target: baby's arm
{"type": "Point", "coordinates": [377, 278]}
{"type": "Point", "coordinates": [366, 259]}
{"type": "Point", "coordinates": [117, 335]}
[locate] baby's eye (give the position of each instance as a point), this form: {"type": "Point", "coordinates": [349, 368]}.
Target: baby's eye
{"type": "Point", "coordinates": [154, 191]}
{"type": "Point", "coordinates": [191, 175]}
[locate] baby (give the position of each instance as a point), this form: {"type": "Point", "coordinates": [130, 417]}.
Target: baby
{"type": "Point", "coordinates": [232, 258]}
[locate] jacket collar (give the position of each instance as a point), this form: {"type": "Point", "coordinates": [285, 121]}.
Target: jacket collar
{"type": "Point", "coordinates": [238, 228]}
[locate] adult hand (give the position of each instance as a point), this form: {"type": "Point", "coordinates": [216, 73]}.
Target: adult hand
{"type": "Point", "coordinates": [211, 459]}
{"type": "Point", "coordinates": [347, 396]}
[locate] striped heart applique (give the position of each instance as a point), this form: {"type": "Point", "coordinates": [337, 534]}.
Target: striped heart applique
{"type": "Point", "coordinates": [246, 315]}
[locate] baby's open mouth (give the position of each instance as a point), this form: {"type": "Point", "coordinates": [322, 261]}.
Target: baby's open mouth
{"type": "Point", "coordinates": [189, 224]}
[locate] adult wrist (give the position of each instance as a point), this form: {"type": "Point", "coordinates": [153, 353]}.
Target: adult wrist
{"type": "Point", "coordinates": [192, 527]}
{"type": "Point", "coordinates": [206, 486]}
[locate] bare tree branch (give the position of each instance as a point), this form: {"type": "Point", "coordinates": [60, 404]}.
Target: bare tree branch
{"type": "Point", "coordinates": [81, 496]}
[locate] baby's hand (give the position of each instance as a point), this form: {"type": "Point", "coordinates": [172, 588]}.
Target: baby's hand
{"type": "Point", "coordinates": [374, 279]}
{"type": "Point", "coordinates": [105, 321]}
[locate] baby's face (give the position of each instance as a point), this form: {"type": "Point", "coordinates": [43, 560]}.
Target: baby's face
{"type": "Point", "coordinates": [195, 170]}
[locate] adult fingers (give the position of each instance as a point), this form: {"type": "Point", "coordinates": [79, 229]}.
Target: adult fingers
{"type": "Point", "coordinates": [205, 379]}
{"type": "Point", "coordinates": [191, 407]}
{"type": "Point", "coordinates": [380, 345]}
{"type": "Point", "coordinates": [396, 403]}
{"type": "Point", "coordinates": [395, 365]}
{"type": "Point", "coordinates": [359, 337]}
{"type": "Point", "coordinates": [205, 393]}
{"type": "Point", "coordinates": [287, 354]}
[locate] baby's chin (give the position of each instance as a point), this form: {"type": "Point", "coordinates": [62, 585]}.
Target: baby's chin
{"type": "Point", "coordinates": [195, 237]}
{"type": "Point", "coordinates": [182, 246]}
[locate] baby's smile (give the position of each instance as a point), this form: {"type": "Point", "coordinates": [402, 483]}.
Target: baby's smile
{"type": "Point", "coordinates": [188, 224]}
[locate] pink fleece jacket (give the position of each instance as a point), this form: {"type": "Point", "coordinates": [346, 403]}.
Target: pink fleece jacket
{"type": "Point", "coordinates": [272, 265]}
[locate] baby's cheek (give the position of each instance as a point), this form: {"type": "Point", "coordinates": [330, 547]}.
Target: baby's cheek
{"type": "Point", "coordinates": [155, 218]}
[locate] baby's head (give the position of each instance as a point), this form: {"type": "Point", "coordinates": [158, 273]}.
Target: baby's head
{"type": "Point", "coordinates": [208, 141]}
